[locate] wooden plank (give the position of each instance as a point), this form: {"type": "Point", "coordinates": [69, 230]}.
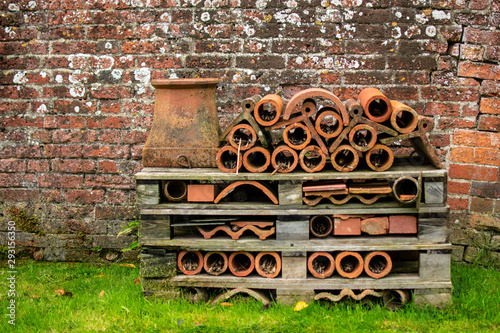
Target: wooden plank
{"type": "Point", "coordinates": [294, 267]}
{"type": "Point", "coordinates": [292, 230]}
{"type": "Point", "coordinates": [147, 192]}
{"type": "Point", "coordinates": [435, 266]}
{"type": "Point", "coordinates": [154, 228]}
{"type": "Point", "coordinates": [292, 296]}
{"type": "Point", "coordinates": [433, 230]}
{"type": "Point", "coordinates": [290, 192]}
{"type": "Point", "coordinates": [432, 297]}
{"type": "Point", "coordinates": [153, 266]}
{"type": "Point", "coordinates": [434, 192]}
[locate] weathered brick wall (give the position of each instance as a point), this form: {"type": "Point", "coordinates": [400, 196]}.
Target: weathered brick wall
{"type": "Point", "coordinates": [76, 100]}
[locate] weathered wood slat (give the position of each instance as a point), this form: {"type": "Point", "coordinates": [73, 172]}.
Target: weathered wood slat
{"type": "Point", "coordinates": [293, 267]}
{"type": "Point", "coordinates": [292, 230]}
{"type": "Point", "coordinates": [147, 192]}
{"type": "Point", "coordinates": [290, 192]}
{"type": "Point", "coordinates": [433, 230]}
{"type": "Point", "coordinates": [153, 228]}
{"type": "Point", "coordinates": [435, 266]}
{"type": "Point", "coordinates": [434, 192]}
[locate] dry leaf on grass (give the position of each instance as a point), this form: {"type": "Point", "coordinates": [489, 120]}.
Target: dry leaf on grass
{"type": "Point", "coordinates": [62, 292]}
{"type": "Point", "coordinates": [100, 275]}
{"type": "Point", "coordinates": [101, 294]}
{"type": "Point", "coordinates": [35, 296]}
{"type": "Point", "coordinates": [128, 265]}
{"type": "Point", "coordinates": [226, 304]}
{"type": "Point", "coordinates": [300, 306]}
{"type": "Point", "coordinates": [137, 281]}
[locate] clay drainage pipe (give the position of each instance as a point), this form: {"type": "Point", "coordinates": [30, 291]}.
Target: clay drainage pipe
{"type": "Point", "coordinates": [312, 159]}
{"type": "Point", "coordinates": [363, 137]}
{"type": "Point", "coordinates": [242, 136]}
{"type": "Point", "coordinates": [376, 105]}
{"type": "Point", "coordinates": [403, 118]}
{"type": "Point", "coordinates": [215, 263]}
{"type": "Point", "coordinates": [406, 189]}
{"type": "Point", "coordinates": [257, 159]}
{"type": "Point", "coordinates": [321, 226]}
{"type": "Point", "coordinates": [379, 158]}
{"type": "Point", "coordinates": [395, 299]}
{"type": "Point", "coordinates": [349, 264]}
{"type": "Point", "coordinates": [328, 123]}
{"type": "Point", "coordinates": [175, 190]}
{"type": "Point", "coordinates": [227, 159]}
{"type": "Point", "coordinates": [284, 159]}
{"type": "Point", "coordinates": [297, 136]}
{"type": "Point", "coordinates": [241, 263]}
{"type": "Point", "coordinates": [190, 262]}
{"type": "Point", "coordinates": [377, 264]}
{"type": "Point", "coordinates": [321, 265]}
{"type": "Point", "coordinates": [345, 158]}
{"type": "Point", "coordinates": [268, 264]}
{"type": "Point", "coordinates": [268, 110]}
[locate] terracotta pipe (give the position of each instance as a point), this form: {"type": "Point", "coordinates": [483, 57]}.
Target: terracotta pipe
{"type": "Point", "coordinates": [406, 189]}
{"type": "Point", "coordinates": [363, 137]}
{"type": "Point", "coordinates": [395, 299]}
{"type": "Point", "coordinates": [353, 107]}
{"type": "Point", "coordinates": [215, 263]}
{"type": "Point", "coordinates": [248, 104]}
{"type": "Point", "coordinates": [257, 159]}
{"type": "Point", "coordinates": [308, 107]}
{"type": "Point", "coordinates": [175, 190]}
{"type": "Point", "coordinates": [349, 264]}
{"type": "Point", "coordinates": [312, 159]}
{"type": "Point", "coordinates": [297, 136]}
{"type": "Point", "coordinates": [321, 265]}
{"type": "Point", "coordinates": [241, 263]}
{"type": "Point", "coordinates": [227, 159]}
{"type": "Point", "coordinates": [403, 118]}
{"type": "Point", "coordinates": [378, 264]}
{"type": "Point", "coordinates": [268, 110]}
{"type": "Point", "coordinates": [243, 132]}
{"type": "Point", "coordinates": [376, 105]}
{"type": "Point", "coordinates": [321, 226]}
{"type": "Point", "coordinates": [345, 158]}
{"type": "Point", "coordinates": [268, 264]}
{"type": "Point", "coordinates": [425, 124]}
{"type": "Point", "coordinates": [190, 262]}
{"type": "Point", "coordinates": [284, 159]}
{"type": "Point", "coordinates": [379, 158]}
{"type": "Point", "coordinates": [328, 122]}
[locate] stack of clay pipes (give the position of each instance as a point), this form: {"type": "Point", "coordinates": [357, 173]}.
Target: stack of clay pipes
{"type": "Point", "coordinates": [314, 127]}
{"type": "Point", "coordinates": [349, 264]}
{"type": "Point", "coordinates": [240, 263]}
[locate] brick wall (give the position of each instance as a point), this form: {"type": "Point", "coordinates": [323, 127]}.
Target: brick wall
{"type": "Point", "coordinates": [76, 100]}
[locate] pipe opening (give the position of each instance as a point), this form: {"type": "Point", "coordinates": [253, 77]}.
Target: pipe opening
{"type": "Point", "coordinates": [321, 264]}
{"type": "Point", "coordinates": [215, 263]}
{"type": "Point", "coordinates": [378, 107]}
{"type": "Point", "coordinates": [329, 124]}
{"type": "Point", "coordinates": [243, 134]}
{"type": "Point", "coordinates": [229, 159]}
{"type": "Point", "coordinates": [344, 158]}
{"type": "Point", "coordinates": [284, 159]}
{"type": "Point", "coordinates": [268, 264]}
{"type": "Point", "coordinates": [175, 190]}
{"type": "Point", "coordinates": [267, 112]}
{"type": "Point", "coordinates": [312, 159]}
{"type": "Point", "coordinates": [321, 226]}
{"type": "Point", "coordinates": [379, 158]}
{"type": "Point", "coordinates": [248, 106]}
{"type": "Point", "coordinates": [190, 261]}
{"type": "Point", "coordinates": [257, 159]}
{"type": "Point", "coordinates": [363, 138]}
{"type": "Point", "coordinates": [297, 136]}
{"type": "Point", "coordinates": [377, 264]}
{"type": "Point", "coordinates": [241, 263]}
{"type": "Point", "coordinates": [405, 119]}
{"type": "Point", "coordinates": [349, 263]}
{"type": "Point", "coordinates": [406, 189]}
{"type": "Point", "coordinates": [395, 299]}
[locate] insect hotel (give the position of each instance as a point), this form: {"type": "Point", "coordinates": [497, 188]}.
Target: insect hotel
{"type": "Point", "coordinates": [307, 199]}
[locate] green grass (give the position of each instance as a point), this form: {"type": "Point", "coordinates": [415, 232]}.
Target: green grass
{"type": "Point", "coordinates": [122, 308]}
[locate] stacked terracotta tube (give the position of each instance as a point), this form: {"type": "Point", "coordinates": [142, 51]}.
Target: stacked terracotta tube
{"type": "Point", "coordinates": [314, 129]}
{"type": "Point", "coordinates": [239, 263]}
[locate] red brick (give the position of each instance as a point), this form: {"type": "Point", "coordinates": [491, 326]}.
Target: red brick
{"type": "Point", "coordinates": [61, 181]}
{"type": "Point", "coordinates": [441, 109]}
{"type": "Point", "coordinates": [471, 52]}
{"type": "Point", "coordinates": [479, 36]}
{"type": "Point", "coordinates": [13, 107]}
{"type": "Point", "coordinates": [85, 196]}
{"type": "Point", "coordinates": [72, 47]}
{"type": "Point", "coordinates": [106, 151]}
{"type": "Point", "coordinates": [476, 139]}
{"type": "Point", "coordinates": [478, 4]}
{"type": "Point", "coordinates": [492, 53]}
{"type": "Point", "coordinates": [489, 123]}
{"type": "Point", "coordinates": [74, 136]}
{"type": "Point", "coordinates": [412, 63]}
{"type": "Point", "coordinates": [375, 225]}
{"type": "Point", "coordinates": [349, 226]}
{"type": "Point", "coordinates": [116, 92]}
{"type": "Point", "coordinates": [110, 136]}
{"type": "Point", "coordinates": [51, 196]}
{"type": "Point", "coordinates": [38, 166]}
{"type": "Point", "coordinates": [329, 78]}
{"type": "Point", "coordinates": [481, 205]}
{"type": "Point", "coordinates": [115, 213]}
{"type": "Point", "coordinates": [490, 88]}
{"type": "Point", "coordinates": [470, 110]}
{"type": "Point", "coordinates": [136, 152]}
{"type": "Point", "coordinates": [18, 92]}
{"type": "Point", "coordinates": [19, 195]}
{"type": "Point", "coordinates": [490, 106]}
{"type": "Point", "coordinates": [479, 70]}
{"type": "Point", "coordinates": [456, 187]}
{"type": "Point", "coordinates": [451, 123]}
{"type": "Point", "coordinates": [72, 122]}
{"type": "Point", "coordinates": [484, 222]}
{"type": "Point", "coordinates": [462, 154]}
{"type": "Point", "coordinates": [17, 48]}
{"type": "Point", "coordinates": [72, 106]}
{"type": "Point", "coordinates": [110, 32]}
{"type": "Point", "coordinates": [25, 151]}
{"type": "Point", "coordinates": [12, 165]}
{"type": "Point", "coordinates": [72, 17]}
{"type": "Point", "coordinates": [108, 167]}
{"type": "Point", "coordinates": [487, 156]}
{"type": "Point", "coordinates": [18, 180]}
{"type": "Point", "coordinates": [134, 137]}
{"type": "Point", "coordinates": [459, 94]}
{"type": "Point", "coordinates": [63, 151]}
{"type": "Point", "coordinates": [109, 181]}
{"type": "Point", "coordinates": [109, 122]}
{"type": "Point", "coordinates": [402, 224]}
{"type": "Point", "coordinates": [458, 203]}
{"type": "Point", "coordinates": [51, 33]}
{"type": "Point", "coordinates": [21, 122]}
{"type": "Point", "coordinates": [117, 197]}
{"type": "Point", "coordinates": [473, 172]}
{"type": "Point", "coordinates": [412, 77]}
{"type": "Point", "coordinates": [73, 166]}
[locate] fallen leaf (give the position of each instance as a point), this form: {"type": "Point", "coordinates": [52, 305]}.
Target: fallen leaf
{"type": "Point", "coordinates": [101, 294]}
{"type": "Point", "coordinates": [100, 275]}
{"type": "Point", "coordinates": [60, 292]}
{"type": "Point", "coordinates": [226, 304]}
{"type": "Point", "coordinates": [128, 265]}
{"type": "Point", "coordinates": [35, 296]}
{"type": "Point", "coordinates": [137, 281]}
{"type": "Point", "coordinates": [300, 306]}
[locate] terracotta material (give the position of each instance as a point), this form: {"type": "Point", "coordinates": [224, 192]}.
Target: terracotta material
{"type": "Point", "coordinates": [402, 224]}
{"type": "Point", "coordinates": [312, 187]}
{"type": "Point", "coordinates": [175, 190]}
{"type": "Point", "coordinates": [241, 263]}
{"type": "Point", "coordinates": [215, 263]}
{"type": "Point", "coordinates": [353, 107]}
{"type": "Point", "coordinates": [266, 190]}
{"type": "Point", "coordinates": [228, 160]}
{"type": "Point", "coordinates": [268, 264]}
{"type": "Point", "coordinates": [375, 225]}
{"type": "Point", "coordinates": [190, 262]}
{"type": "Point", "coordinates": [248, 104]}
{"type": "Point", "coordinates": [185, 124]}
{"type": "Point", "coordinates": [340, 198]}
{"type": "Point", "coordinates": [201, 192]}
{"type": "Point", "coordinates": [328, 123]}
{"type": "Point", "coordinates": [312, 159]}
{"type": "Point", "coordinates": [377, 264]}
{"type": "Point", "coordinates": [395, 299]}
{"type": "Point", "coordinates": [346, 292]}
{"type": "Point", "coordinates": [362, 137]}
{"type": "Point", "coordinates": [379, 158]}
{"type": "Point", "coordinates": [347, 227]}
{"type": "Point", "coordinates": [297, 136]}
{"type": "Point", "coordinates": [311, 93]}
{"type": "Point", "coordinates": [376, 105]}
{"type": "Point", "coordinates": [257, 159]}
{"type": "Point", "coordinates": [403, 118]}
{"type": "Point", "coordinates": [425, 124]}
{"type": "Point", "coordinates": [284, 159]}
{"type": "Point", "coordinates": [268, 110]}
{"type": "Point", "coordinates": [262, 234]}
{"type": "Point", "coordinates": [259, 224]}
{"type": "Point", "coordinates": [258, 295]}
{"type": "Point", "coordinates": [345, 158]}
{"type": "Point", "coordinates": [406, 189]}
{"type": "Point", "coordinates": [370, 188]}
{"type": "Point", "coordinates": [349, 264]}
{"type": "Point", "coordinates": [320, 226]}
{"type": "Point", "coordinates": [242, 133]}
{"type": "Point", "coordinates": [307, 109]}
{"type": "Point", "coordinates": [321, 265]}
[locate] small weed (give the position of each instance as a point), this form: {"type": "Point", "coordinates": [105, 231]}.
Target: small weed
{"type": "Point", "coordinates": [131, 228]}
{"type": "Point", "coordinates": [24, 221]}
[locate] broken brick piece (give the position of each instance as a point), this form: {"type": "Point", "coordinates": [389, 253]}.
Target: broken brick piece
{"type": "Point", "coordinates": [375, 225]}
{"type": "Point", "coordinates": [402, 224]}
{"type": "Point", "coordinates": [201, 192]}
{"type": "Point", "coordinates": [350, 226]}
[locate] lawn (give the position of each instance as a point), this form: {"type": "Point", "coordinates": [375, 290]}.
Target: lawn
{"type": "Point", "coordinates": [70, 297]}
